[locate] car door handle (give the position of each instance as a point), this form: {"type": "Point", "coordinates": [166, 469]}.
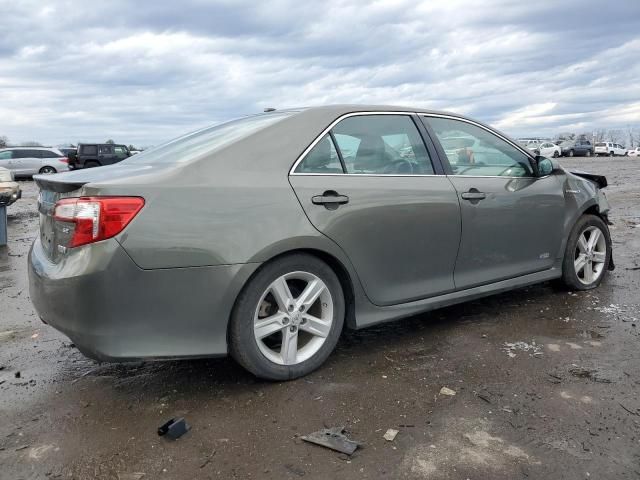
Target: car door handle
{"type": "Point", "coordinates": [473, 194]}
{"type": "Point", "coordinates": [329, 198]}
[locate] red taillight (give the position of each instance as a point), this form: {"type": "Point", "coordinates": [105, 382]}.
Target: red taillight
{"type": "Point", "coordinates": [96, 218]}
{"type": "Point", "coordinates": [64, 160]}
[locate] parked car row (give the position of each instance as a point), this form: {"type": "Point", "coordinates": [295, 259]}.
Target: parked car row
{"type": "Point", "coordinates": [579, 147]}
{"type": "Point", "coordinates": [28, 161]}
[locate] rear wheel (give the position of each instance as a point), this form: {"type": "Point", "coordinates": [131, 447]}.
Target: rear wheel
{"type": "Point", "coordinates": [288, 318]}
{"type": "Point", "coordinates": [91, 164]}
{"type": "Point", "coordinates": [47, 170]}
{"type": "Point", "coordinates": [571, 153]}
{"type": "Point", "coordinates": [611, 154]}
{"type": "Point", "coordinates": [587, 255]}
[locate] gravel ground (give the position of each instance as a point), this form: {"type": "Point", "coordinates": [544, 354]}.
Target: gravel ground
{"type": "Point", "coordinates": [546, 382]}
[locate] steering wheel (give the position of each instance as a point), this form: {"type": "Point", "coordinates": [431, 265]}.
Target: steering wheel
{"type": "Point", "coordinates": [397, 165]}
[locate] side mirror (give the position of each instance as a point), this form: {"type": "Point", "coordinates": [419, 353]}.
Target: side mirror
{"type": "Point", "coordinates": [546, 166]}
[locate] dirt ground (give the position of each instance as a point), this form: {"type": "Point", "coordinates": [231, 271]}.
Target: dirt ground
{"type": "Point", "coordinates": [547, 386]}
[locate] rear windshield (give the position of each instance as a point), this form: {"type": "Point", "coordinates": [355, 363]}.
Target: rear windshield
{"type": "Point", "coordinates": [203, 141]}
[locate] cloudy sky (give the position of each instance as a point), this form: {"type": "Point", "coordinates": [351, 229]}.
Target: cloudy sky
{"type": "Point", "coordinates": [144, 72]}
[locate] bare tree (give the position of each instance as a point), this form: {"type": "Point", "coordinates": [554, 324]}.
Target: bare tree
{"type": "Point", "coordinates": [4, 141]}
{"type": "Point", "coordinates": [110, 141]}
{"type": "Point", "coordinates": [31, 143]}
{"type": "Point", "coordinates": [615, 135]}
{"type": "Point", "coordinates": [600, 134]}
{"type": "Point", "coordinates": [634, 136]}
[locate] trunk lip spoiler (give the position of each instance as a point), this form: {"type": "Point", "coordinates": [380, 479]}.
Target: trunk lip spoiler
{"type": "Point", "coordinates": [45, 182]}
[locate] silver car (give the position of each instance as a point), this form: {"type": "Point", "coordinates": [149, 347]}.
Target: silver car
{"type": "Point", "coordinates": [263, 237]}
{"type": "Point", "coordinates": [28, 161]}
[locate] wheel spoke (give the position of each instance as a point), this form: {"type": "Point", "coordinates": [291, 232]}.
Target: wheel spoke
{"type": "Point", "coordinates": [580, 263]}
{"type": "Point", "coordinates": [599, 257]}
{"type": "Point", "coordinates": [268, 326]}
{"type": "Point", "coordinates": [315, 326]}
{"type": "Point", "coordinates": [311, 293]}
{"type": "Point", "coordinates": [281, 293]}
{"type": "Point", "coordinates": [593, 239]}
{"type": "Point", "coordinates": [289, 348]}
{"type": "Point", "coordinates": [588, 273]}
{"type": "Point", "coordinates": [582, 244]}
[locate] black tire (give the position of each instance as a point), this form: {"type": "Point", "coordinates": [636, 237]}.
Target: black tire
{"type": "Point", "coordinates": [91, 164]}
{"type": "Point", "coordinates": [571, 153]}
{"type": "Point", "coordinates": [569, 275]}
{"type": "Point", "coordinates": [47, 170]}
{"type": "Point", "coordinates": [611, 154]}
{"type": "Point", "coordinates": [588, 153]}
{"type": "Point", "coordinates": [556, 154]}
{"type": "Point", "coordinates": [243, 345]}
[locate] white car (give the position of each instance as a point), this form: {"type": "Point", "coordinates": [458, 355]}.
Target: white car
{"type": "Point", "coordinates": [610, 148]}
{"type": "Point", "coordinates": [548, 149]}
{"type": "Point", "coordinates": [634, 152]}
{"type": "Point", "coordinates": [28, 161]}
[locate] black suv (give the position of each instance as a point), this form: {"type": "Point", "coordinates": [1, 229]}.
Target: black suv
{"type": "Point", "coordinates": [97, 154]}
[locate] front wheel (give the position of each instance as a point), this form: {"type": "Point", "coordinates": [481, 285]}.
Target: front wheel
{"type": "Point", "coordinates": [611, 154]}
{"type": "Point", "coordinates": [288, 318]}
{"type": "Point", "coordinates": [556, 154]}
{"type": "Point", "coordinates": [587, 255]}
{"type": "Point", "coordinates": [588, 153]}
{"type": "Point", "coordinates": [571, 153]}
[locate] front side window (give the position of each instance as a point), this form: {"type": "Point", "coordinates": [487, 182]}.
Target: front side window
{"type": "Point", "coordinates": [322, 158]}
{"type": "Point", "coordinates": [6, 155]}
{"type": "Point", "coordinates": [474, 151]}
{"type": "Point", "coordinates": [382, 145]}
{"type": "Point", "coordinates": [49, 154]}
{"type": "Point", "coordinates": [120, 152]}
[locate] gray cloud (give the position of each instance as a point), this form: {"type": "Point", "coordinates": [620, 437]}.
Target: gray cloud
{"type": "Point", "coordinates": [143, 72]}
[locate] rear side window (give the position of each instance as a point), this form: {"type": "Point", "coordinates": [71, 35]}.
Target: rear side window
{"type": "Point", "coordinates": [27, 154]}
{"type": "Point", "coordinates": [322, 158]}
{"type": "Point", "coordinates": [192, 145]}
{"type": "Point", "coordinates": [382, 145]}
{"type": "Point", "coordinates": [472, 150]}
{"type": "Point", "coordinates": [49, 154]}
{"type": "Point", "coordinates": [105, 150]}
{"type": "Point", "coordinates": [89, 149]}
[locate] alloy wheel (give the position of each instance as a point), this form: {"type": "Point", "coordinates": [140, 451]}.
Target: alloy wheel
{"type": "Point", "coordinates": [590, 255]}
{"type": "Point", "coordinates": [47, 170]}
{"type": "Point", "coordinates": [293, 318]}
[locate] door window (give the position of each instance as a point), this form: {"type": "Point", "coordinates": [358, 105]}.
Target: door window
{"type": "Point", "coordinates": [474, 151]}
{"type": "Point", "coordinates": [382, 145]}
{"type": "Point", "coordinates": [105, 150]}
{"type": "Point", "coordinates": [322, 158]}
{"type": "Point", "coordinates": [6, 155]}
{"type": "Point", "coordinates": [120, 152]}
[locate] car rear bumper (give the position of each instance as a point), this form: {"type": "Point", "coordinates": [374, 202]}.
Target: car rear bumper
{"type": "Point", "coordinates": [115, 311]}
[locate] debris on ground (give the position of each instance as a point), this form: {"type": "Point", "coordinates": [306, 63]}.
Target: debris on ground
{"type": "Point", "coordinates": [334, 439]}
{"type": "Point", "coordinates": [531, 348]}
{"type": "Point", "coordinates": [390, 434]}
{"type": "Point", "coordinates": [174, 428]}
{"type": "Point", "coordinates": [17, 374]}
{"type": "Point", "coordinates": [130, 476]}
{"type": "Point", "coordinates": [587, 373]}
{"type": "Point", "coordinates": [447, 391]}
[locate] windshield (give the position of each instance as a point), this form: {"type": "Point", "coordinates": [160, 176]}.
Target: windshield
{"type": "Point", "coordinates": [566, 143]}
{"type": "Point", "coordinates": [192, 145]}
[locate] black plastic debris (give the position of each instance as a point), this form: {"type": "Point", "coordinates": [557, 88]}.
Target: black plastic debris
{"type": "Point", "coordinates": [332, 438]}
{"type": "Point", "coordinates": [174, 428]}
